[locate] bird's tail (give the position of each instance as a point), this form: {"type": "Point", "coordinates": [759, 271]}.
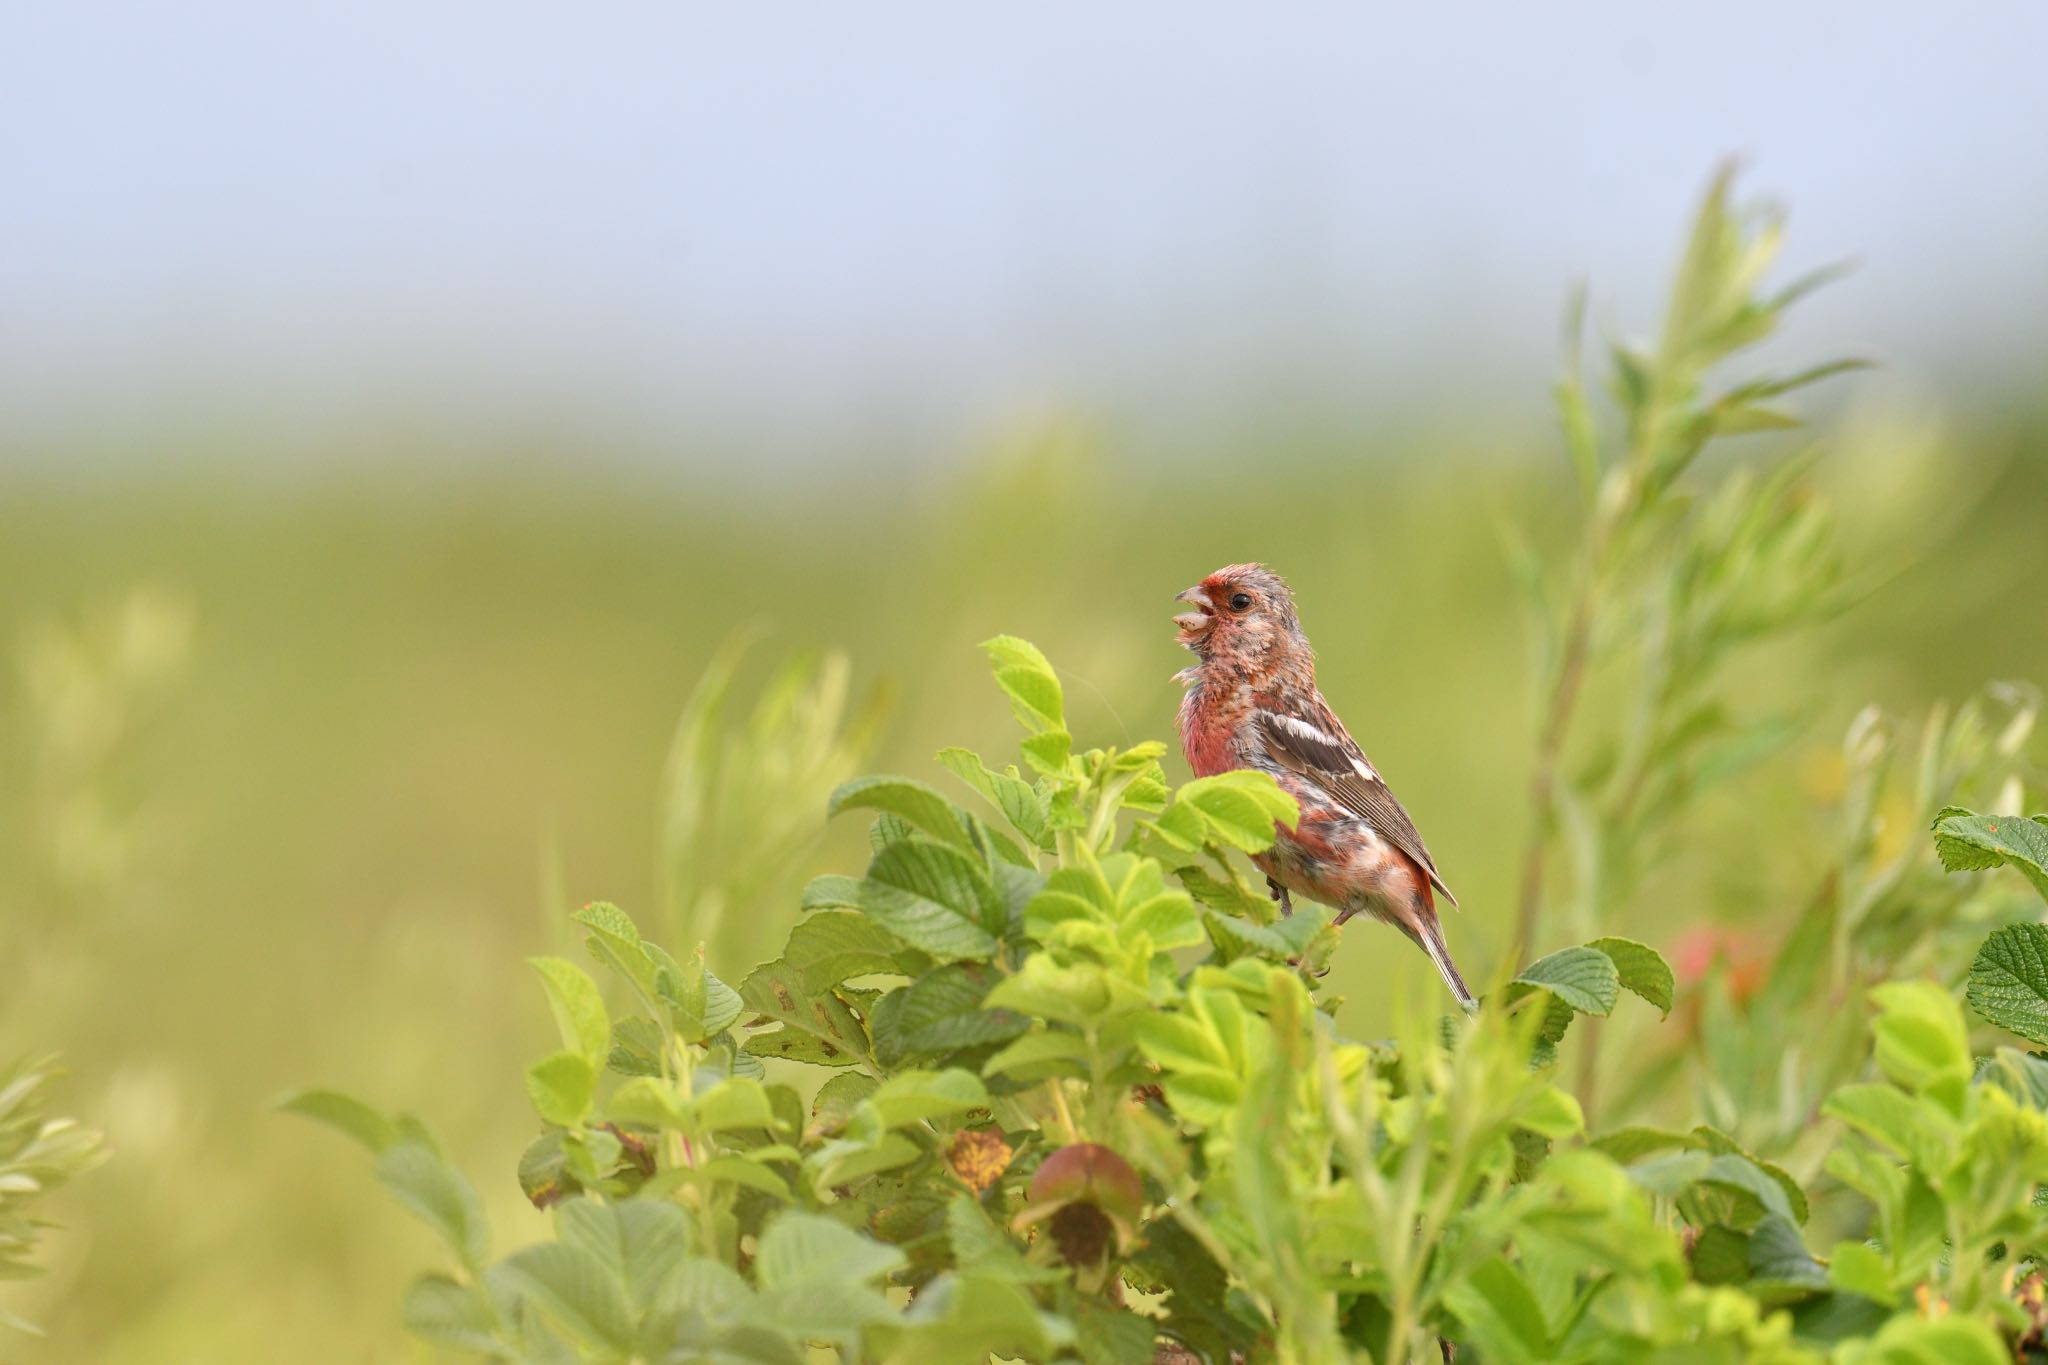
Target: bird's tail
{"type": "Point", "coordinates": [1429, 935]}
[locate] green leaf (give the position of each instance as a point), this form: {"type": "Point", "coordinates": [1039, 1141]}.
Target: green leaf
{"type": "Point", "coordinates": [561, 1085]}
{"type": "Point", "coordinates": [833, 946]}
{"type": "Point", "coordinates": [1500, 1312]}
{"type": "Point", "coordinates": [1584, 978]}
{"type": "Point", "coordinates": [848, 1159]}
{"type": "Point", "coordinates": [1552, 1113]}
{"type": "Point", "coordinates": [940, 1012]}
{"type": "Point", "coordinates": [985, 1250]}
{"type": "Point", "coordinates": [1084, 994]}
{"type": "Point", "coordinates": [1911, 1340]}
{"type": "Point", "coordinates": [439, 1194]}
{"type": "Point", "coordinates": [1236, 809]}
{"type": "Point", "coordinates": [801, 1249]}
{"type": "Point", "coordinates": [971, 1317]}
{"type": "Point", "coordinates": [1640, 969]}
{"type": "Point", "coordinates": [838, 1098]}
{"type": "Point", "coordinates": [444, 1313]}
{"type": "Point", "coordinates": [344, 1114]}
{"type": "Point", "coordinates": [1111, 1336]}
{"type": "Point", "coordinates": [1012, 795]}
{"type": "Point", "coordinates": [1038, 1055]}
{"type": "Point", "coordinates": [577, 1290]}
{"type": "Point", "coordinates": [736, 1102]}
{"type": "Point", "coordinates": [640, 1242]}
{"type": "Point", "coordinates": [1891, 1118]}
{"type": "Point", "coordinates": [908, 799]}
{"type": "Point", "coordinates": [1967, 842]}
{"type": "Point", "coordinates": [2009, 980]}
{"type": "Point", "coordinates": [616, 942]}
{"type": "Point", "coordinates": [929, 895]}
{"type": "Point", "coordinates": [834, 1036]}
{"type": "Point", "coordinates": [1201, 1311]}
{"type": "Point", "coordinates": [1630, 1144]}
{"type": "Point", "coordinates": [1028, 679]}
{"type": "Point", "coordinates": [913, 1096]}
{"type": "Point", "coordinates": [1859, 1268]}
{"type": "Point", "coordinates": [578, 1007]}
{"type": "Point", "coordinates": [1720, 1255]}
{"type": "Point", "coordinates": [1921, 1042]}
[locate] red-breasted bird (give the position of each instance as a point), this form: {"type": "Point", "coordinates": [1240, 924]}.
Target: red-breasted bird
{"type": "Point", "coordinates": [1252, 703]}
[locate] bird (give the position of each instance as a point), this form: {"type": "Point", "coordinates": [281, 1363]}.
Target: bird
{"type": "Point", "coordinates": [1251, 702]}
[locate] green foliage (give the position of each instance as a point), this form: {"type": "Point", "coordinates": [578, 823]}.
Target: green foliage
{"type": "Point", "coordinates": [1050, 1079]}
{"type": "Point", "coordinates": [1968, 842]}
{"type": "Point", "coordinates": [1051, 1100]}
{"type": "Point", "coordinates": [1085, 968]}
{"type": "Point", "coordinates": [1665, 585]}
{"type": "Point", "coordinates": [38, 1154]}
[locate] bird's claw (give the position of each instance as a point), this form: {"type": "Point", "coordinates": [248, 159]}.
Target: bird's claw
{"type": "Point", "coordinates": [1280, 895]}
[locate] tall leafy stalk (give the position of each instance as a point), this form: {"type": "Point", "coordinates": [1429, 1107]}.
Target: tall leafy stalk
{"type": "Point", "coordinates": [1665, 581]}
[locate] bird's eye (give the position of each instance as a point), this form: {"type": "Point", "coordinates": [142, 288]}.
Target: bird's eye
{"type": "Point", "coordinates": [1240, 601]}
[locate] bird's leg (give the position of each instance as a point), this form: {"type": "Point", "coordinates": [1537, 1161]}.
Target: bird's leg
{"type": "Point", "coordinates": [1280, 895]}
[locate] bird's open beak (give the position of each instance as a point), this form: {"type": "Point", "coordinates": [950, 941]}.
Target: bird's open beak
{"type": "Point", "coordinates": [1193, 623]}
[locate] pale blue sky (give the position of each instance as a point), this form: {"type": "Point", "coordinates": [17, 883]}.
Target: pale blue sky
{"type": "Point", "coordinates": [809, 220]}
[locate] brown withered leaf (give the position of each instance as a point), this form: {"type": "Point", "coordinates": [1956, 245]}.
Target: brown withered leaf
{"type": "Point", "coordinates": [979, 1156]}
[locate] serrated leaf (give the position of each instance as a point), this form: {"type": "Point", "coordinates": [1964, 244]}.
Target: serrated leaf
{"type": "Point", "coordinates": [576, 1290]}
{"type": "Point", "coordinates": [440, 1195]}
{"type": "Point", "coordinates": [2009, 980]}
{"type": "Point", "coordinates": [578, 1007]}
{"type": "Point", "coordinates": [803, 1249]}
{"type": "Point", "coordinates": [782, 994]}
{"type": "Point", "coordinates": [1028, 678]}
{"type": "Point", "coordinates": [838, 1098]}
{"type": "Point", "coordinates": [615, 941]}
{"type": "Point", "coordinates": [1967, 842]}
{"type": "Point", "coordinates": [1238, 809]}
{"type": "Point", "coordinates": [1012, 795]}
{"type": "Point", "coordinates": [1641, 969]}
{"type": "Point", "coordinates": [929, 895]}
{"type": "Point", "coordinates": [832, 946]}
{"type": "Point", "coordinates": [907, 799]}
{"type": "Point", "coordinates": [1583, 977]}
{"type": "Point", "coordinates": [640, 1242]}
{"type": "Point", "coordinates": [940, 1012]}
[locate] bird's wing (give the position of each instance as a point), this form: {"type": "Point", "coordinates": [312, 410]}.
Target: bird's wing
{"type": "Point", "coordinates": [1308, 740]}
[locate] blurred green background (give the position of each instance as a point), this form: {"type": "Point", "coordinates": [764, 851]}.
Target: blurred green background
{"type": "Point", "coordinates": [399, 410]}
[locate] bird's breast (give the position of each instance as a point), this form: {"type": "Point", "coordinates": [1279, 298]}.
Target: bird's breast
{"type": "Point", "coordinates": [1210, 720]}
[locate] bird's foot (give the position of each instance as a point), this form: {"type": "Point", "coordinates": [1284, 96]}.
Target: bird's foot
{"type": "Point", "coordinates": [1280, 895]}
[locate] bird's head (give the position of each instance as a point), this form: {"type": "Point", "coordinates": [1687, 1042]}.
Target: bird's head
{"type": "Point", "coordinates": [1243, 614]}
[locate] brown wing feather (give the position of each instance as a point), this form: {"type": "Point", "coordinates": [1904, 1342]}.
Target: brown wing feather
{"type": "Point", "coordinates": [1316, 746]}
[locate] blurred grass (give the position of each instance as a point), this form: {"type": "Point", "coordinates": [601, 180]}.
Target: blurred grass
{"type": "Point", "coordinates": [406, 709]}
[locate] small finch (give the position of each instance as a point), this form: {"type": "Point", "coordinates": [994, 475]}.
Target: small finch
{"type": "Point", "coordinates": [1252, 703]}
